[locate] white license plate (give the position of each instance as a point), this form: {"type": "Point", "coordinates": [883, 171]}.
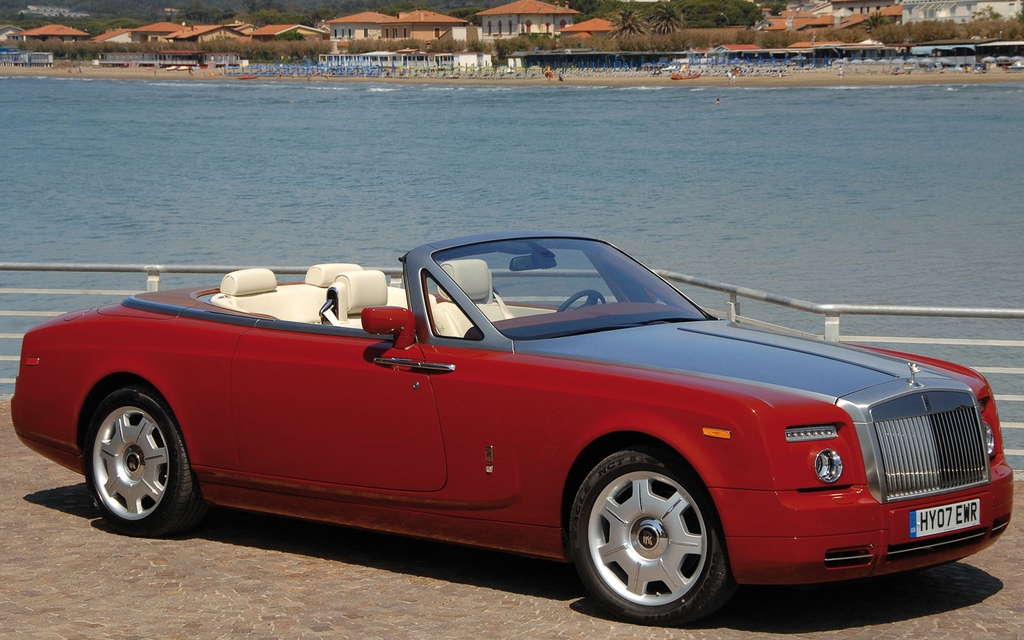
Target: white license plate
{"type": "Point", "coordinates": [950, 517]}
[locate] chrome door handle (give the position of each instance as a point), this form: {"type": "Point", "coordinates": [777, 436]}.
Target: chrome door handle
{"type": "Point", "coordinates": [414, 364]}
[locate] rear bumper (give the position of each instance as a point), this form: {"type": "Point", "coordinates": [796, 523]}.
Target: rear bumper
{"type": "Point", "coordinates": [813, 537]}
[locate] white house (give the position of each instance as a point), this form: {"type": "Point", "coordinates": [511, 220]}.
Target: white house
{"type": "Point", "coordinates": [956, 10]}
{"type": "Point", "coordinates": [525, 17]}
{"type": "Point", "coordinates": [8, 31]}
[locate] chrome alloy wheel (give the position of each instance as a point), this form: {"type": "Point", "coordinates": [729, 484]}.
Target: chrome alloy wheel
{"type": "Point", "coordinates": [130, 463]}
{"type": "Point", "coordinates": [647, 538]}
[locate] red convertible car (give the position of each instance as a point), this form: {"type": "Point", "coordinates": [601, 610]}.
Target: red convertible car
{"type": "Point", "coordinates": [542, 394]}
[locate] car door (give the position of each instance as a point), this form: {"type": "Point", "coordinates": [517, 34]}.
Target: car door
{"type": "Point", "coordinates": [314, 405]}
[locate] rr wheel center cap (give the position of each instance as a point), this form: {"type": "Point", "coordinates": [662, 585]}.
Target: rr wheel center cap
{"type": "Point", "coordinates": [134, 462]}
{"type": "Point", "coordinates": [649, 538]}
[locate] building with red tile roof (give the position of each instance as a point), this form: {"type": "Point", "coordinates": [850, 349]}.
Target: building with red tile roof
{"type": "Point", "coordinates": [114, 35]}
{"type": "Point", "coordinates": [421, 25]}
{"type": "Point", "coordinates": [271, 31]}
{"type": "Point", "coordinates": [359, 26]}
{"type": "Point", "coordinates": [811, 44]}
{"type": "Point", "coordinates": [588, 28]}
{"type": "Point", "coordinates": [204, 33]}
{"type": "Point", "coordinates": [53, 32]}
{"type": "Point", "coordinates": [525, 17]}
{"type": "Point", "coordinates": [156, 32]}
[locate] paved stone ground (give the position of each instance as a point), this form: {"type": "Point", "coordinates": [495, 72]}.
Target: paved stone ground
{"type": "Point", "coordinates": [64, 575]}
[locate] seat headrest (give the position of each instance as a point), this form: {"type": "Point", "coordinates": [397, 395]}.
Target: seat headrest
{"type": "Point", "coordinates": [473, 276]}
{"type": "Point", "coordinates": [360, 289]}
{"type": "Point", "coordinates": [247, 282]}
{"type": "Point", "coordinates": [324, 275]}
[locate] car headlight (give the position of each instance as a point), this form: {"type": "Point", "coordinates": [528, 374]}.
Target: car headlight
{"type": "Point", "coordinates": [990, 438]}
{"type": "Point", "coordinates": [828, 465]}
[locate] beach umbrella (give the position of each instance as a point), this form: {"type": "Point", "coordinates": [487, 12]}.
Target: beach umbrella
{"type": "Point", "coordinates": [1017, 58]}
{"type": "Point", "coordinates": [1003, 59]}
{"type": "Point", "coordinates": [988, 59]}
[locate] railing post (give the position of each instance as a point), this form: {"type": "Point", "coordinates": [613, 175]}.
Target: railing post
{"type": "Point", "coordinates": [153, 279]}
{"type": "Point", "coordinates": [832, 327]}
{"type": "Point", "coordinates": [734, 307]}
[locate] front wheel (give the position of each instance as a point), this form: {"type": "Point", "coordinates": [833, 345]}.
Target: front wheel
{"type": "Point", "coordinates": [646, 541]}
{"type": "Point", "coordinates": [136, 466]}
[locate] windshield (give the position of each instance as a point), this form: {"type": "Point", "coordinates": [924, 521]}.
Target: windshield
{"type": "Point", "coordinates": [549, 287]}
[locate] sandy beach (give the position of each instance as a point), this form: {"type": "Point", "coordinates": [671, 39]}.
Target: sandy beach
{"type": "Point", "coordinates": [854, 75]}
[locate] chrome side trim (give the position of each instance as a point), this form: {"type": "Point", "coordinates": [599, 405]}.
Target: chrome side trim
{"type": "Point", "coordinates": [406, 363]}
{"type": "Point", "coordinates": [936, 544]}
{"type": "Point", "coordinates": [848, 559]}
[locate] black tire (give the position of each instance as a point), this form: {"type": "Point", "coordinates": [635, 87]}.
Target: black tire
{"type": "Point", "coordinates": [136, 466]}
{"type": "Point", "coordinates": [647, 542]}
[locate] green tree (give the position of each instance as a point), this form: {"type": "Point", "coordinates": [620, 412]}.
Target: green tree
{"type": "Point", "coordinates": [316, 16]}
{"type": "Point", "coordinates": [273, 16]}
{"type": "Point", "coordinates": [467, 13]}
{"type": "Point", "coordinates": [876, 20]}
{"type": "Point", "coordinates": [198, 13]}
{"type": "Point", "coordinates": [629, 21]}
{"type": "Point", "coordinates": [988, 13]}
{"type": "Point", "coordinates": [709, 14]}
{"type": "Point", "coordinates": [666, 18]}
{"type": "Point", "coordinates": [252, 6]}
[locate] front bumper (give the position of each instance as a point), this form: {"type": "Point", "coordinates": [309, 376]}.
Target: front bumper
{"type": "Point", "coordinates": [807, 537]}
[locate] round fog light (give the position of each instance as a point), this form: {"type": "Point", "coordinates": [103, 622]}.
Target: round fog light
{"type": "Point", "coordinates": [828, 465]}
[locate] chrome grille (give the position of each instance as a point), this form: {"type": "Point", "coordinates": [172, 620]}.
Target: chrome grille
{"type": "Point", "coordinates": [932, 453]}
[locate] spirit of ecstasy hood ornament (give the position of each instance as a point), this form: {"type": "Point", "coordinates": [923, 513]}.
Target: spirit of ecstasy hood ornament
{"type": "Point", "coordinates": [914, 370]}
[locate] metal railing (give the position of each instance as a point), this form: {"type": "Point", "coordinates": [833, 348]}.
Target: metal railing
{"type": "Point", "coordinates": [1012, 351]}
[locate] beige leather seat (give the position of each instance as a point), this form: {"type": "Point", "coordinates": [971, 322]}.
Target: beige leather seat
{"type": "Point", "coordinates": [356, 290]}
{"type": "Point", "coordinates": [256, 291]}
{"type": "Point", "coordinates": [474, 278]}
{"type": "Point", "coordinates": [249, 291]}
{"type": "Point", "coordinates": [324, 275]}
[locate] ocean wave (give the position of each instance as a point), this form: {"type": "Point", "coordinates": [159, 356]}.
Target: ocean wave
{"type": "Point", "coordinates": [641, 87]}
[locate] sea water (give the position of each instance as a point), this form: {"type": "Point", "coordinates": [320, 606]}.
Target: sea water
{"type": "Point", "coordinates": [875, 195]}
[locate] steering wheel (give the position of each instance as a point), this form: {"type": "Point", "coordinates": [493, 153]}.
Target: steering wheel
{"type": "Point", "coordinates": [593, 296]}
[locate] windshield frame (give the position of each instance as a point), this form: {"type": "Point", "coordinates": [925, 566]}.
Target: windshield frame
{"type": "Point", "coordinates": [634, 294]}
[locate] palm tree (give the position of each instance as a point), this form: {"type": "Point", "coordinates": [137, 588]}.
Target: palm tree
{"type": "Point", "coordinates": [629, 21]}
{"type": "Point", "coordinates": [876, 20]}
{"type": "Point", "coordinates": [665, 18]}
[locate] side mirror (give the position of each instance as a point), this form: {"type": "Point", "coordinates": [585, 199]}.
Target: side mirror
{"type": "Point", "coordinates": [390, 321]}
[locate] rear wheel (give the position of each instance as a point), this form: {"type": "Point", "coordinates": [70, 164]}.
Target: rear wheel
{"type": "Point", "coordinates": [136, 466]}
{"type": "Point", "coordinates": [646, 541]}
